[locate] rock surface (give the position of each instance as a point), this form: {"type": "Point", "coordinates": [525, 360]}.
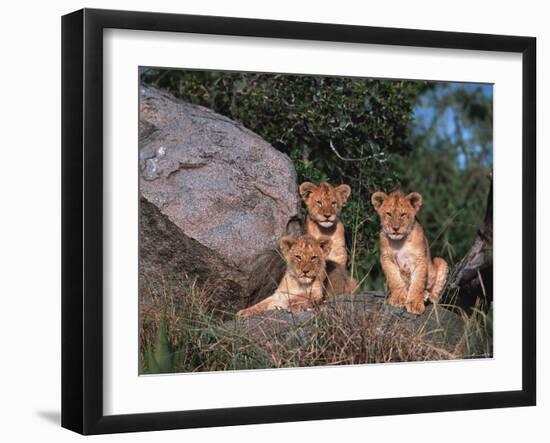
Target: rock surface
{"type": "Point", "coordinates": [215, 199]}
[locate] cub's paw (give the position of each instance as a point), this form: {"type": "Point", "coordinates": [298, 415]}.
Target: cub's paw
{"type": "Point", "coordinates": [398, 297]}
{"type": "Point", "coordinates": [245, 313]}
{"type": "Point", "coordinates": [415, 306]}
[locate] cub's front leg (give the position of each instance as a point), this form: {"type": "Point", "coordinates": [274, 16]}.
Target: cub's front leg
{"type": "Point", "coordinates": [279, 300]}
{"type": "Point", "coordinates": [338, 255]}
{"type": "Point", "coordinates": [417, 288]}
{"type": "Point", "coordinates": [285, 300]}
{"type": "Point", "coordinates": [396, 286]}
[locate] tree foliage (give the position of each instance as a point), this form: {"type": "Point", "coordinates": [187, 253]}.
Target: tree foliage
{"type": "Point", "coordinates": [452, 156]}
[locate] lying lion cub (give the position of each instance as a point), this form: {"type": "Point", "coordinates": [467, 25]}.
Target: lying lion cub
{"type": "Point", "coordinates": [411, 275]}
{"type": "Point", "coordinates": [324, 204]}
{"type": "Point", "coordinates": [302, 284]}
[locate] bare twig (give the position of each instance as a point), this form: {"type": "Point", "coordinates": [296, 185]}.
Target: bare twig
{"type": "Point", "coordinates": [347, 159]}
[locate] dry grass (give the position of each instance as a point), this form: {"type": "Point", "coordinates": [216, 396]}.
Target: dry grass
{"type": "Point", "coordinates": [181, 331]}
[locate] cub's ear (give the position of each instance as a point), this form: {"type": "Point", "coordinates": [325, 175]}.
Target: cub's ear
{"type": "Point", "coordinates": [306, 188]}
{"type": "Point", "coordinates": [285, 243]}
{"type": "Point", "coordinates": [326, 245]}
{"type": "Point", "coordinates": [377, 199]}
{"type": "Point", "coordinates": [344, 191]}
{"type": "Point", "coordinates": [415, 200]}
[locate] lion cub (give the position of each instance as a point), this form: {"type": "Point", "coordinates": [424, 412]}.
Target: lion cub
{"type": "Point", "coordinates": [411, 275]}
{"type": "Point", "coordinates": [302, 283]}
{"type": "Point", "coordinates": [324, 204]}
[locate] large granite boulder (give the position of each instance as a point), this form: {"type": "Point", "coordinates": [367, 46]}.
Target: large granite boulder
{"type": "Point", "coordinates": [214, 200]}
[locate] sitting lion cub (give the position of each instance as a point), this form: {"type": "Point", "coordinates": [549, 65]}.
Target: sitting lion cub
{"type": "Point", "coordinates": [302, 284]}
{"type": "Point", "coordinates": [324, 204]}
{"type": "Point", "coordinates": [411, 275]}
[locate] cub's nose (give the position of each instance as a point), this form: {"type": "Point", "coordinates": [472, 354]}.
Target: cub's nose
{"type": "Point", "coordinates": [327, 215]}
{"type": "Point", "coordinates": [395, 228]}
{"type": "Point", "coordinates": [306, 271]}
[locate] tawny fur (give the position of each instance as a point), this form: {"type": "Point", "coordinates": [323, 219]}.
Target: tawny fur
{"type": "Point", "coordinates": [412, 277]}
{"type": "Point", "coordinates": [302, 284]}
{"type": "Point", "coordinates": [338, 280]}
{"type": "Point", "coordinates": [324, 204]}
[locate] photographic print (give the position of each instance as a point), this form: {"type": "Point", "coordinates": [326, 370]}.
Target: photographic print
{"type": "Point", "coordinates": [253, 209]}
{"type": "Point", "coordinates": [291, 221]}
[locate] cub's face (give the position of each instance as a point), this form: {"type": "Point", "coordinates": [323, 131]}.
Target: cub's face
{"type": "Point", "coordinates": [324, 202]}
{"type": "Point", "coordinates": [397, 212]}
{"type": "Point", "coordinates": [305, 256]}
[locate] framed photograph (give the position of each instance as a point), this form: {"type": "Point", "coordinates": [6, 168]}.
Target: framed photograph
{"type": "Point", "coordinates": [269, 221]}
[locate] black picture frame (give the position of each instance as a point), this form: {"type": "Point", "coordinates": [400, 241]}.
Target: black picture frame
{"type": "Point", "coordinates": [82, 218]}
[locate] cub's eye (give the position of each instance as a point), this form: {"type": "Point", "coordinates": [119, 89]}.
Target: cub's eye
{"type": "Point", "coordinates": [314, 258]}
{"type": "Point", "coordinates": [319, 203]}
{"type": "Point", "coordinates": [333, 204]}
{"type": "Point", "coordinates": [403, 215]}
{"type": "Point", "coordinates": [298, 257]}
{"type": "Point", "coordinates": [388, 214]}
